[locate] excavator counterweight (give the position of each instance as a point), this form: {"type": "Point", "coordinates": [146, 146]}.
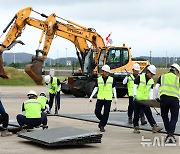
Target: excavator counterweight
{"type": "Point", "coordinates": [34, 70]}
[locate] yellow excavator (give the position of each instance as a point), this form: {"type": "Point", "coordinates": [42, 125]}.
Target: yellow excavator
{"type": "Point", "coordinates": [91, 59]}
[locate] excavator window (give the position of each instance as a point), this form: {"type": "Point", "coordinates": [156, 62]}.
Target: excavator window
{"type": "Point", "coordinates": [117, 57]}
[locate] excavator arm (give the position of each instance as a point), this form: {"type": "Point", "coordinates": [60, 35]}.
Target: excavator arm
{"type": "Point", "coordinates": [77, 34]}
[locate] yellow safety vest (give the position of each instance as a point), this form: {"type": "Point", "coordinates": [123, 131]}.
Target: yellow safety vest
{"type": "Point", "coordinates": [105, 91]}
{"type": "Point", "coordinates": [170, 85]}
{"type": "Point", "coordinates": [143, 89]}
{"type": "Point", "coordinates": [130, 85]}
{"type": "Point", "coordinates": [32, 108]}
{"type": "Point", "coordinates": [42, 100]}
{"type": "Point", "coordinates": [53, 85]}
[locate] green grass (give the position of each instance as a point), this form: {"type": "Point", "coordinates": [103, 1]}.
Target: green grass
{"type": "Point", "coordinates": [19, 78]}
{"type": "Point", "coordinates": [16, 78]}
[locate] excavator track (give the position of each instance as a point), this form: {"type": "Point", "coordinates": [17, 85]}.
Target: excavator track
{"type": "Point", "coordinates": [34, 70]}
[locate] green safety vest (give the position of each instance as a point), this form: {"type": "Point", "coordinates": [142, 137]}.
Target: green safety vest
{"type": "Point", "coordinates": [32, 108]}
{"type": "Point", "coordinates": [130, 85]}
{"type": "Point", "coordinates": [43, 101]}
{"type": "Point", "coordinates": [53, 85]}
{"type": "Point", "coordinates": [170, 85]}
{"type": "Point", "coordinates": [105, 90]}
{"type": "Point", "coordinates": [142, 92]}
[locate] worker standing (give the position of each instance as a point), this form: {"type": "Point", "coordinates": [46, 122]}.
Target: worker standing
{"type": "Point", "coordinates": [168, 86]}
{"type": "Point", "coordinates": [54, 86]}
{"type": "Point", "coordinates": [44, 101]}
{"type": "Point", "coordinates": [105, 88]}
{"type": "Point", "coordinates": [143, 90]}
{"type": "Point", "coordinates": [129, 80]}
{"type": "Point", "coordinates": [4, 120]}
{"type": "Point", "coordinates": [32, 115]}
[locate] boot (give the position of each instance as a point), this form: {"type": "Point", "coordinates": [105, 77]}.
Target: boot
{"type": "Point", "coordinates": [143, 121]}
{"type": "Point", "coordinates": [156, 128]}
{"type": "Point", "coordinates": [102, 129]}
{"type": "Point", "coordinates": [5, 133]}
{"type": "Point", "coordinates": [44, 127]}
{"type": "Point", "coordinates": [136, 130]}
{"type": "Point", "coordinates": [170, 139]}
{"type": "Point", "coordinates": [130, 120]}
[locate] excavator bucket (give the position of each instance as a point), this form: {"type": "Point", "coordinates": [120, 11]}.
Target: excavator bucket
{"type": "Point", "coordinates": [2, 72]}
{"type": "Point", "coordinates": [34, 70]}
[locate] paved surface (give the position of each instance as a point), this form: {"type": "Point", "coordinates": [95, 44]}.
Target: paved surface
{"type": "Point", "coordinates": [115, 140]}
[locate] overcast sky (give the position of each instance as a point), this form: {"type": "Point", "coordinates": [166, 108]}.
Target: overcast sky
{"type": "Point", "coordinates": [145, 25]}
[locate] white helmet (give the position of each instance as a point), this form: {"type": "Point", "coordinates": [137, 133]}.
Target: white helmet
{"type": "Point", "coordinates": [32, 92]}
{"type": "Point", "coordinates": [136, 67]}
{"type": "Point", "coordinates": [47, 79]}
{"type": "Point", "coordinates": [152, 69]}
{"type": "Point", "coordinates": [176, 66]}
{"type": "Point", "coordinates": [106, 68]}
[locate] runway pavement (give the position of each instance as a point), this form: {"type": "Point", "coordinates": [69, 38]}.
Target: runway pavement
{"type": "Point", "coordinates": [115, 140]}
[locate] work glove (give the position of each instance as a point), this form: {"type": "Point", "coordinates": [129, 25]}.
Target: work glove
{"type": "Point", "coordinates": [90, 99]}
{"type": "Point", "coordinates": [134, 98]}
{"type": "Point", "coordinates": [115, 100]}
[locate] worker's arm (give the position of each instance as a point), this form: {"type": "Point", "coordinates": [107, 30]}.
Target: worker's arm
{"type": "Point", "coordinates": [93, 93]}
{"type": "Point", "coordinates": [125, 80]}
{"type": "Point", "coordinates": [59, 85]}
{"type": "Point", "coordinates": [23, 109]}
{"type": "Point", "coordinates": [151, 93]}
{"type": "Point", "coordinates": [115, 94]}
{"type": "Point", "coordinates": [156, 88]}
{"type": "Point", "coordinates": [2, 110]}
{"type": "Point", "coordinates": [136, 83]}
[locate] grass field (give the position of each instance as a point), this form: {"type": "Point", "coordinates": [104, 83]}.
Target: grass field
{"type": "Point", "coordinates": [19, 78]}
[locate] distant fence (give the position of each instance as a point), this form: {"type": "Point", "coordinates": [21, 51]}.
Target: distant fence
{"type": "Point", "coordinates": [59, 72]}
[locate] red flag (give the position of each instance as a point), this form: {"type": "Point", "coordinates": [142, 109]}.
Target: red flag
{"type": "Point", "coordinates": [107, 38]}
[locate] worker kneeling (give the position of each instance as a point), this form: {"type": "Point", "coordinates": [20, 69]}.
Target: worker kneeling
{"type": "Point", "coordinates": [32, 117]}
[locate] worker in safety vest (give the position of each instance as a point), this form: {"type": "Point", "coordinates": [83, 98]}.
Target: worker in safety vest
{"type": "Point", "coordinates": [44, 101]}
{"type": "Point", "coordinates": [4, 120]}
{"type": "Point", "coordinates": [54, 86]}
{"type": "Point", "coordinates": [32, 115]}
{"type": "Point", "coordinates": [168, 86]}
{"type": "Point", "coordinates": [129, 80]}
{"type": "Point", "coordinates": [143, 90]}
{"type": "Point", "coordinates": [106, 88]}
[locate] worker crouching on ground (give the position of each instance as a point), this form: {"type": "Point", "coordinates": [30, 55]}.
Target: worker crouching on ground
{"type": "Point", "coordinates": [4, 120]}
{"type": "Point", "coordinates": [32, 117]}
{"type": "Point", "coordinates": [54, 86]}
{"type": "Point", "coordinates": [106, 88]}
{"type": "Point", "coordinates": [44, 101]}
{"type": "Point", "coordinates": [143, 90]}
{"type": "Point", "coordinates": [168, 85]}
{"type": "Point", "coordinates": [129, 80]}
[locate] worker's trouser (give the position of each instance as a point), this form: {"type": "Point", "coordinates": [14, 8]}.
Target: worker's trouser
{"type": "Point", "coordinates": [51, 99]}
{"type": "Point", "coordinates": [4, 119]}
{"type": "Point", "coordinates": [171, 104]}
{"type": "Point", "coordinates": [137, 109]}
{"type": "Point", "coordinates": [131, 108]}
{"type": "Point", "coordinates": [102, 117]}
{"type": "Point", "coordinates": [32, 122]}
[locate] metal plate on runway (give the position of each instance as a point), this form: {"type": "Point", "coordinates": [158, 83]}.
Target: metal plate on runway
{"type": "Point", "coordinates": [150, 103]}
{"type": "Point", "coordinates": [62, 136]}
{"type": "Point", "coordinates": [119, 119]}
{"type": "Point", "coordinates": [13, 126]}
